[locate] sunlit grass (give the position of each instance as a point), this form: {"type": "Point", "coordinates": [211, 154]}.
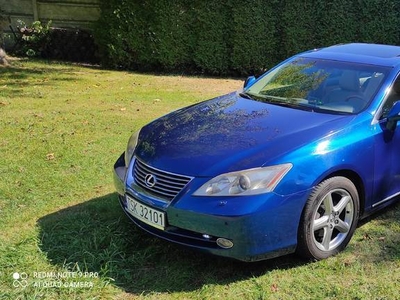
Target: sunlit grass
{"type": "Point", "coordinates": [62, 127]}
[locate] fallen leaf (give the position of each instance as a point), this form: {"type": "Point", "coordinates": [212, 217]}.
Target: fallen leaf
{"type": "Point", "coordinates": [367, 237]}
{"type": "Point", "coordinates": [50, 156]}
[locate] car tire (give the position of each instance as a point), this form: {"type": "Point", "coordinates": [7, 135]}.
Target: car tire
{"type": "Point", "coordinates": [329, 219]}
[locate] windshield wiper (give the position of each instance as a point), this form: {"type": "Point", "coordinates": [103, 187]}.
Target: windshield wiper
{"type": "Point", "coordinates": [275, 100]}
{"type": "Point", "coordinates": [284, 104]}
{"type": "Point", "coordinates": [290, 102]}
{"type": "Point", "coordinates": [246, 95]}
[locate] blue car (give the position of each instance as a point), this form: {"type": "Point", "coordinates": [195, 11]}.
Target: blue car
{"type": "Point", "coordinates": [290, 163]}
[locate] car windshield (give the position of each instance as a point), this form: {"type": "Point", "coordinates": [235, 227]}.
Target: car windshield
{"type": "Point", "coordinates": [319, 85]}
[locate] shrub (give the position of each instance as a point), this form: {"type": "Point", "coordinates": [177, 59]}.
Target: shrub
{"type": "Point", "coordinates": [236, 37]}
{"type": "Point", "coordinates": [32, 39]}
{"type": "Point", "coordinates": [71, 45]}
{"type": "Point", "coordinates": [253, 39]}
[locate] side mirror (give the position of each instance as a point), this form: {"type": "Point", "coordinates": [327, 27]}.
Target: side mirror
{"type": "Point", "coordinates": [249, 81]}
{"type": "Point", "coordinates": [393, 116]}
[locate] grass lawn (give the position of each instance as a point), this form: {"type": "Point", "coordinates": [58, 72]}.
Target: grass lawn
{"type": "Point", "coordinates": [64, 236]}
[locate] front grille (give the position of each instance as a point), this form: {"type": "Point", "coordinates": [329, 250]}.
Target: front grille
{"type": "Point", "coordinates": [166, 185]}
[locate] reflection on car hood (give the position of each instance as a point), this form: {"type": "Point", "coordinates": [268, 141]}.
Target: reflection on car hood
{"type": "Point", "coordinates": [230, 133]}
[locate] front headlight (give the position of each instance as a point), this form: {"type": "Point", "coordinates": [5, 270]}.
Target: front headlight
{"type": "Point", "coordinates": [244, 183]}
{"type": "Point", "coordinates": [130, 148]}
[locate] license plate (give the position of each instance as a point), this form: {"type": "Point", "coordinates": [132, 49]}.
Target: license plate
{"type": "Point", "coordinates": [146, 214]}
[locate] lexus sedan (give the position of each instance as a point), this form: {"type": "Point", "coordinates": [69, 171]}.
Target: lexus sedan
{"type": "Point", "coordinates": [290, 163]}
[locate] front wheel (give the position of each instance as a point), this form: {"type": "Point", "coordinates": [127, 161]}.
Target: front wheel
{"type": "Point", "coordinates": [329, 219]}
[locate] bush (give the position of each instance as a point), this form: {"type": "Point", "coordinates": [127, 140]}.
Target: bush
{"type": "Point", "coordinates": [71, 45]}
{"type": "Point", "coordinates": [32, 39]}
{"type": "Point", "coordinates": [253, 38]}
{"type": "Point", "coordinates": [38, 40]}
{"type": "Point", "coordinates": [236, 37]}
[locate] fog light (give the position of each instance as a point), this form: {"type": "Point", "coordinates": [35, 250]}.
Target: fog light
{"type": "Point", "coordinates": [224, 243]}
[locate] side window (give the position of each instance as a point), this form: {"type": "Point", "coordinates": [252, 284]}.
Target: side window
{"type": "Point", "coordinates": [392, 97]}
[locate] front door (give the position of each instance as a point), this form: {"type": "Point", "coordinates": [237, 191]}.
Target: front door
{"type": "Point", "coordinates": [387, 155]}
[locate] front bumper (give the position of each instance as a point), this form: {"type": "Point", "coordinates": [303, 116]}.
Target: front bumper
{"type": "Point", "coordinates": [265, 229]}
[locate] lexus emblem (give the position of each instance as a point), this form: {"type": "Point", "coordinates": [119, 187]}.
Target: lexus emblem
{"type": "Point", "coordinates": [150, 180]}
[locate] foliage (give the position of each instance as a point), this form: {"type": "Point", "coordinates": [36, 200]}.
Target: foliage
{"type": "Point", "coordinates": [185, 36]}
{"type": "Point", "coordinates": [253, 46]}
{"type": "Point", "coordinates": [234, 36]}
{"type": "Point", "coordinates": [32, 39]}
{"type": "Point", "coordinates": [70, 44]}
{"type": "Point", "coordinates": [42, 40]}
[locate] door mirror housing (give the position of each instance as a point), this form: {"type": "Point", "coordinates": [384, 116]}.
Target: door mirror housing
{"type": "Point", "coordinates": [249, 81]}
{"type": "Point", "coordinates": [393, 117]}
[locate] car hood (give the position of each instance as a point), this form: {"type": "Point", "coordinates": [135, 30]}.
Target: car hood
{"type": "Point", "coordinates": [230, 133]}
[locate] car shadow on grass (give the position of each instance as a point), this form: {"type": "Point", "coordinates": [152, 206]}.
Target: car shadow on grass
{"type": "Point", "coordinates": [96, 236]}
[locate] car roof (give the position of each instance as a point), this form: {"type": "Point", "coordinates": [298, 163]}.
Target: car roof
{"type": "Point", "coordinates": [375, 54]}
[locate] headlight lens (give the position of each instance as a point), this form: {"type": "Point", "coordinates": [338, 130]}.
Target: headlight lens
{"type": "Point", "coordinates": [243, 183]}
{"type": "Point", "coordinates": [130, 148]}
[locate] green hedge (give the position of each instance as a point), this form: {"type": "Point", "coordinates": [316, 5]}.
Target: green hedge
{"type": "Point", "coordinates": [234, 37]}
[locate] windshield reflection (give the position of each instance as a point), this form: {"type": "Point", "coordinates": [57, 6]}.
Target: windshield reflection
{"type": "Point", "coordinates": [319, 85]}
